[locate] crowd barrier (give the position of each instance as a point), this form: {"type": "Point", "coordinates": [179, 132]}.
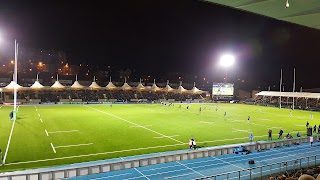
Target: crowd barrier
{"type": "Point", "coordinates": [94, 168]}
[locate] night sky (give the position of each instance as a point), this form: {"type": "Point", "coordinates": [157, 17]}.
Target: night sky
{"type": "Point", "coordinates": [161, 36]}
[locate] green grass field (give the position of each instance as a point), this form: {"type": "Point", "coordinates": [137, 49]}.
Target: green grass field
{"type": "Point", "coordinates": [55, 135]}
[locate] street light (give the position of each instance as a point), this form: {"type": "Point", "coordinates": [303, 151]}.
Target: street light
{"type": "Point", "coordinates": [226, 61]}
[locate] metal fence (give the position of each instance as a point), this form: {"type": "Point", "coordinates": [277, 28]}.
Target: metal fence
{"type": "Point", "coordinates": [94, 168]}
{"type": "Point", "coordinates": [265, 170]}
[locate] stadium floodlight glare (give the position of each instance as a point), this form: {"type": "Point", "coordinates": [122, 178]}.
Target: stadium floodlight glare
{"type": "Point", "coordinates": [226, 61]}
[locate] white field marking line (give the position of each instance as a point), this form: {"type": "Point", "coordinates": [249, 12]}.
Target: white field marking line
{"type": "Point", "coordinates": [46, 132]}
{"type": "Point", "coordinates": [264, 119]}
{"type": "Point", "coordinates": [74, 145]}
{"type": "Point", "coordinates": [119, 151]}
{"type": "Point", "coordinates": [205, 122]}
{"type": "Point", "coordinates": [139, 126]}
{"type": "Point", "coordinates": [106, 177]}
{"type": "Point", "coordinates": [134, 124]}
{"type": "Point", "coordinates": [167, 136]}
{"type": "Point", "coordinates": [237, 121]}
{"type": "Point", "coordinates": [141, 173]}
{"type": "Point", "coordinates": [299, 125]}
{"type": "Point", "coordinates": [38, 114]}
{"type": "Point", "coordinates": [7, 149]}
{"type": "Point", "coordinates": [190, 169]}
{"type": "Point", "coordinates": [62, 131]}
{"type": "Point", "coordinates": [36, 109]}
{"type": "Point", "coordinates": [54, 150]}
{"type": "Point", "coordinates": [96, 154]}
{"type": "Point", "coordinates": [41, 119]}
{"type": "Point", "coordinates": [240, 130]}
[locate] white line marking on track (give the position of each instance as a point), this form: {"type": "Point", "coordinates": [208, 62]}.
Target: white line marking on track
{"type": "Point", "coordinates": [74, 145]}
{"type": "Point", "coordinates": [53, 148]}
{"type": "Point", "coordinates": [166, 136]}
{"type": "Point", "coordinates": [46, 132]}
{"type": "Point", "coordinates": [229, 163]}
{"type": "Point", "coordinates": [106, 177]}
{"type": "Point", "coordinates": [190, 168]}
{"type": "Point", "coordinates": [177, 176]}
{"type": "Point", "coordinates": [141, 173]}
{"type": "Point", "coordinates": [134, 124]}
{"type": "Point", "coordinates": [63, 131]}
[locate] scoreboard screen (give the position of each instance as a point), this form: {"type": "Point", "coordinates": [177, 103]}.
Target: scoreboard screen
{"type": "Point", "coordinates": [222, 89]}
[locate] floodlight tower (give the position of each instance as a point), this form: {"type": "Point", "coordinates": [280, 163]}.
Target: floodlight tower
{"type": "Point", "coordinates": [226, 61]}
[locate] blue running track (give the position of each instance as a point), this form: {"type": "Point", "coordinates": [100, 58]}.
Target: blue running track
{"type": "Point", "coordinates": [215, 165]}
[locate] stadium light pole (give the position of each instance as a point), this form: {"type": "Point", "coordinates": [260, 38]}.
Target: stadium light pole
{"type": "Point", "coordinates": [226, 61]}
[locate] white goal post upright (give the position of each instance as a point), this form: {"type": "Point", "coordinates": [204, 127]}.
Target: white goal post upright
{"type": "Point", "coordinates": [294, 86]}
{"type": "Point", "coordinates": [15, 80]}
{"type": "Point", "coordinates": [280, 88]}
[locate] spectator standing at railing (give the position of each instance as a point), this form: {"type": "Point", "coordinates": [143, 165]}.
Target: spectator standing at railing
{"type": "Point", "coordinates": [250, 137]}
{"type": "Point", "coordinates": [270, 134]}
{"type": "Point", "coordinates": [311, 140]}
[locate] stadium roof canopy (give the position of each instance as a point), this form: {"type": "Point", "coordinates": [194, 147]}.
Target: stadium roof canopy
{"type": "Point", "coordinates": [289, 94]}
{"type": "Point", "coordinates": [302, 12]}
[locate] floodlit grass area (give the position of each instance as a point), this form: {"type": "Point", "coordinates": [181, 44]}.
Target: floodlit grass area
{"type": "Point", "coordinates": [62, 134]}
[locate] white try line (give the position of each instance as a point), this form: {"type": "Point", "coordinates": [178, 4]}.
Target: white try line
{"type": "Point", "coordinates": [9, 140]}
{"type": "Point", "coordinates": [46, 132]}
{"type": "Point", "coordinates": [240, 130]}
{"type": "Point", "coordinates": [133, 123]}
{"type": "Point", "coordinates": [54, 150]}
{"type": "Point", "coordinates": [140, 126]}
{"type": "Point", "coordinates": [166, 136]}
{"type": "Point", "coordinates": [62, 131]}
{"type": "Point", "coordinates": [73, 145]}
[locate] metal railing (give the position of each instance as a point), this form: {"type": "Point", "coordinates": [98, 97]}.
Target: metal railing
{"type": "Point", "coordinates": [262, 171]}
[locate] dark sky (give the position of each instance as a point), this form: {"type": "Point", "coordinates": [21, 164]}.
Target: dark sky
{"type": "Point", "coordinates": [159, 36]}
